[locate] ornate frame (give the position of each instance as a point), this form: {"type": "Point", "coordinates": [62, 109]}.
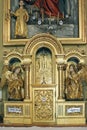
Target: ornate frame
{"type": "Point", "coordinates": [81, 39]}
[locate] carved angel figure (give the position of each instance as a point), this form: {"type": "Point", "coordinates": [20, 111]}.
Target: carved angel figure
{"type": "Point", "coordinates": [14, 81]}
{"type": "Point", "coordinates": [73, 88]}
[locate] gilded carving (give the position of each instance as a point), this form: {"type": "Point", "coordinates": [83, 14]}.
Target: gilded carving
{"type": "Point", "coordinates": [44, 66]}
{"type": "Point", "coordinates": [43, 105]}
{"type": "Point", "coordinates": [22, 17]}
{"type": "Point", "coordinates": [13, 79]}
{"type": "Point", "coordinates": [73, 88]}
{"type": "Point", "coordinates": [43, 40]}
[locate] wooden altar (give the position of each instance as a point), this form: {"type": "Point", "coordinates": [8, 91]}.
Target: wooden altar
{"type": "Point", "coordinates": [44, 103]}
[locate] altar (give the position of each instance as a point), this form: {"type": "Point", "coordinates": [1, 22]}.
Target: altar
{"type": "Point", "coordinates": [45, 99]}
{"type": "Point", "coordinates": [44, 63]}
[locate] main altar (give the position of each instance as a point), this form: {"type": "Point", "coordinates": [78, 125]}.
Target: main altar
{"type": "Point", "coordinates": [43, 80]}
{"type": "Point", "coordinates": [45, 70]}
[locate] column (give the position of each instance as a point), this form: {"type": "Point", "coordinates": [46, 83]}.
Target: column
{"type": "Point", "coordinates": [27, 82]}
{"type": "Point", "coordinates": [60, 67]}
{"type": "Point", "coordinates": [64, 78]}
{"type": "Point", "coordinates": [27, 63]}
{"type": "Point", "coordinates": [60, 81]}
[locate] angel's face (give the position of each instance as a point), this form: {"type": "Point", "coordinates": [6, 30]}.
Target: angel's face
{"type": "Point", "coordinates": [17, 71]}
{"type": "Point", "coordinates": [71, 69]}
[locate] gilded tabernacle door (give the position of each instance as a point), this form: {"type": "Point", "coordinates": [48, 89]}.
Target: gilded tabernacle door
{"type": "Point", "coordinates": [44, 104]}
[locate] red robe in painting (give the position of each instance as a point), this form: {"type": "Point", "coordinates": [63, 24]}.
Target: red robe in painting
{"type": "Point", "coordinates": [50, 7]}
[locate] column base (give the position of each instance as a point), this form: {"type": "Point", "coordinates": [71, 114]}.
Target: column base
{"type": "Point", "coordinates": [61, 99]}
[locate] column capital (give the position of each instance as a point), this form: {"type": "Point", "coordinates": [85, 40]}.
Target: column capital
{"type": "Point", "coordinates": [61, 66]}
{"type": "Point", "coordinates": [27, 59]}
{"type": "Point", "coordinates": [60, 59]}
{"type": "Point", "coordinates": [6, 62]}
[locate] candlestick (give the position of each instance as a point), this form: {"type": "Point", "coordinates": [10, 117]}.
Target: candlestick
{"type": "Point", "coordinates": [50, 19]}
{"type": "Point", "coordinates": [42, 14]}
{"type": "Point", "coordinates": [57, 18]}
{"type": "Point", "coordinates": [36, 15]}
{"type": "Point", "coordinates": [31, 10]}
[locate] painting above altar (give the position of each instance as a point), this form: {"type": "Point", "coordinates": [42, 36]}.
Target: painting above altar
{"type": "Point", "coordinates": [63, 19]}
{"type": "Point", "coordinates": [48, 17]}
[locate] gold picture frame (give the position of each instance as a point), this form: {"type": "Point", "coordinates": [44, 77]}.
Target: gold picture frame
{"type": "Point", "coordinates": [7, 27]}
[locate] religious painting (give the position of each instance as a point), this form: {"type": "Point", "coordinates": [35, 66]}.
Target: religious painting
{"type": "Point", "coordinates": [63, 19]}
